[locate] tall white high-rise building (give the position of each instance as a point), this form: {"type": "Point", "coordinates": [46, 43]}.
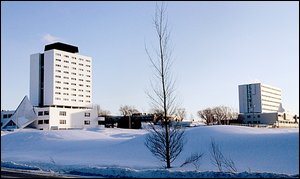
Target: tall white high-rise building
{"type": "Point", "coordinates": [61, 88]}
{"type": "Point", "coordinates": [60, 76]}
{"type": "Point", "coordinates": [259, 98]}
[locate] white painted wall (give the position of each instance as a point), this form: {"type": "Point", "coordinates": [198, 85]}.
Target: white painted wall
{"type": "Point", "coordinates": [271, 98]}
{"type": "Point", "coordinates": [68, 79]}
{"type": "Point", "coordinates": [44, 117]}
{"type": "Point", "coordinates": [74, 118]}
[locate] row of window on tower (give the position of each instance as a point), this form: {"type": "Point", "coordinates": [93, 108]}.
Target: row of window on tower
{"type": "Point", "coordinates": [72, 78]}
{"type": "Point", "coordinates": [72, 89]}
{"type": "Point", "coordinates": [74, 68]}
{"type": "Point", "coordinates": [66, 99]}
{"type": "Point", "coordinates": [67, 94]}
{"type": "Point", "coordinates": [75, 58]}
{"type": "Point", "coordinates": [272, 97]}
{"type": "Point", "coordinates": [74, 84]}
{"type": "Point", "coordinates": [73, 73]}
{"type": "Point", "coordinates": [73, 63]}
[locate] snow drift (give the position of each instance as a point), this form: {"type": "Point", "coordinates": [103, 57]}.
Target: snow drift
{"type": "Point", "coordinates": [89, 151]}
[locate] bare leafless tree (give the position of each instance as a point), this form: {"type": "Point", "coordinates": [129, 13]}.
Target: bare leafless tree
{"type": "Point", "coordinates": [232, 115]}
{"type": "Point", "coordinates": [127, 110]}
{"type": "Point", "coordinates": [224, 113]}
{"type": "Point", "coordinates": [218, 159]}
{"type": "Point", "coordinates": [165, 143]}
{"type": "Point", "coordinates": [208, 115]}
{"type": "Point", "coordinates": [217, 114]}
{"type": "Point", "coordinates": [181, 113]}
{"type": "Point", "coordinates": [220, 113]}
{"type": "Point", "coordinates": [102, 112]}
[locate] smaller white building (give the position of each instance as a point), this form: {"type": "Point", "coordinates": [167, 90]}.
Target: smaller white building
{"type": "Point", "coordinates": [57, 118]}
{"type": "Point", "coordinates": [49, 118]}
{"type": "Point", "coordinates": [275, 119]}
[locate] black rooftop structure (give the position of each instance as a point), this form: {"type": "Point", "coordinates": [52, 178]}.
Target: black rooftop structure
{"type": "Point", "coordinates": [62, 46]}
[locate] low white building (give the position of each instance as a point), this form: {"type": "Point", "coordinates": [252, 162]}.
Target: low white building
{"type": "Point", "coordinates": [275, 119]}
{"type": "Point", "coordinates": [65, 118]}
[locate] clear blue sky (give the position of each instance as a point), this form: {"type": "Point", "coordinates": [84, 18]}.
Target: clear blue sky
{"type": "Point", "coordinates": [217, 46]}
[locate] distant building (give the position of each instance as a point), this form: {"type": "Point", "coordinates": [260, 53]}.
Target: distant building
{"type": "Point", "coordinates": [261, 104]}
{"type": "Point", "coordinates": [259, 98]}
{"type": "Point", "coordinates": [276, 119]}
{"type": "Point", "coordinates": [60, 90]}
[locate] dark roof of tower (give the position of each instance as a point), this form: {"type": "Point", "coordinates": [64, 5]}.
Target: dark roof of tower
{"type": "Point", "coordinates": [63, 47]}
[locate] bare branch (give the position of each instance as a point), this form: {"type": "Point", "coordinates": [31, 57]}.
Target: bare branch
{"type": "Point", "coordinates": [218, 159]}
{"type": "Point", "coordinates": [216, 155]}
{"type": "Point", "coordinates": [194, 159]}
{"type": "Point", "coordinates": [156, 142]}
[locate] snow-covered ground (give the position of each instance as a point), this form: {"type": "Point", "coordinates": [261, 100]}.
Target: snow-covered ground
{"type": "Point", "coordinates": [122, 152]}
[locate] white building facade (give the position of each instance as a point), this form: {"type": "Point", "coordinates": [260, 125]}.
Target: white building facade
{"type": "Point", "coordinates": [261, 104]}
{"type": "Point", "coordinates": [259, 98]}
{"type": "Point", "coordinates": [56, 118]}
{"type": "Point", "coordinates": [61, 88]}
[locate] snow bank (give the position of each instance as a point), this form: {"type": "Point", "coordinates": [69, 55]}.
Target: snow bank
{"type": "Point", "coordinates": [117, 172]}
{"type": "Point", "coordinates": [123, 150]}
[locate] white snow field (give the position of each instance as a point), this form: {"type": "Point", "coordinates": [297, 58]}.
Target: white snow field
{"type": "Point", "coordinates": [118, 152]}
